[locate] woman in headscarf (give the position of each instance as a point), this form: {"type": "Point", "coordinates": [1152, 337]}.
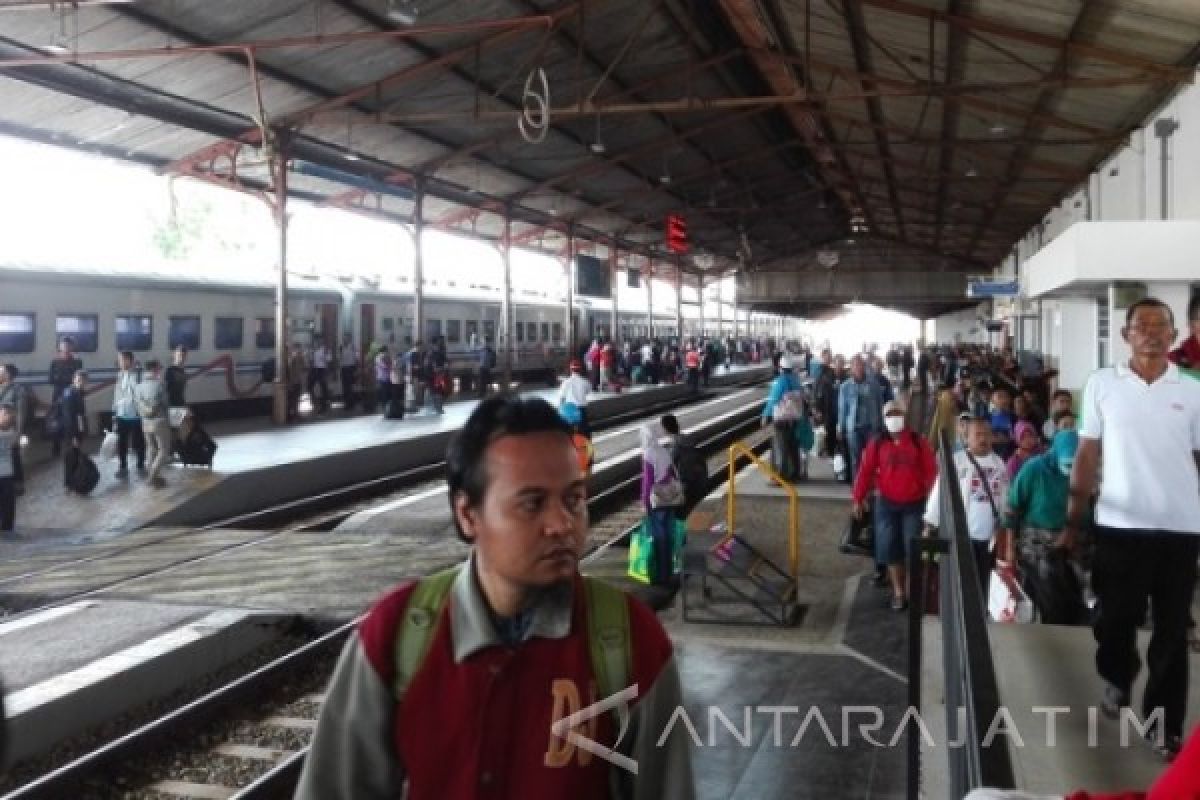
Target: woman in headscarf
{"type": "Point", "coordinates": [661, 493]}
{"type": "Point", "coordinates": [1029, 444]}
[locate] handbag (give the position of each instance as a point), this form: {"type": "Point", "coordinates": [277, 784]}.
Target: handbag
{"type": "Point", "coordinates": [667, 492]}
{"type": "Point", "coordinates": [108, 447]}
{"type": "Point", "coordinates": [858, 538]}
{"type": "Point", "coordinates": [1007, 601]}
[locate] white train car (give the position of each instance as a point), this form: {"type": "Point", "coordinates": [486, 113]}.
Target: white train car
{"type": "Point", "coordinates": [227, 325]}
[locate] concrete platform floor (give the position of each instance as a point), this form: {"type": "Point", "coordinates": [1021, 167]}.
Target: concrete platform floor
{"type": "Point", "coordinates": [246, 445]}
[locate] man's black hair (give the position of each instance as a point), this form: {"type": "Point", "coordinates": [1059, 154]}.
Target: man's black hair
{"type": "Point", "coordinates": [1057, 415]}
{"type": "Point", "coordinates": [12, 371]}
{"type": "Point", "coordinates": [127, 354]}
{"type": "Point", "coordinates": [670, 424]}
{"type": "Point", "coordinates": [1148, 302]}
{"type": "Point", "coordinates": [504, 414]}
{"type": "Point", "coordinates": [153, 364]}
{"type": "Point", "coordinates": [1062, 393]}
{"type": "Point", "coordinates": [1194, 308]}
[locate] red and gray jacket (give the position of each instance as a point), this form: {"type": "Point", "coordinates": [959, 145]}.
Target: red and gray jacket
{"type": "Point", "coordinates": [475, 720]}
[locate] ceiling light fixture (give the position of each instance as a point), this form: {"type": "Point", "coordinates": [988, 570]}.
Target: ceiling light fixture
{"type": "Point", "coordinates": [597, 145]}
{"type": "Point", "coordinates": [972, 172]}
{"type": "Point", "coordinates": [998, 129]}
{"type": "Point", "coordinates": [404, 12]}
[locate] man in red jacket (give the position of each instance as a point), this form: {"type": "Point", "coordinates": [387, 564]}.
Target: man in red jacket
{"type": "Point", "coordinates": [900, 464]}
{"type": "Point", "coordinates": [1187, 355]}
{"type": "Point", "coordinates": [487, 708]}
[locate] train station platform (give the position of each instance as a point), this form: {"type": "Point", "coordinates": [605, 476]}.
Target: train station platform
{"type": "Point", "coordinates": [258, 466]}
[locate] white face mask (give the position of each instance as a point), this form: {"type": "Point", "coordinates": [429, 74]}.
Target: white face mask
{"type": "Point", "coordinates": [894, 424]}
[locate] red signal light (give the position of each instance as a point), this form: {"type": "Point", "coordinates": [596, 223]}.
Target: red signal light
{"type": "Point", "coordinates": [677, 234]}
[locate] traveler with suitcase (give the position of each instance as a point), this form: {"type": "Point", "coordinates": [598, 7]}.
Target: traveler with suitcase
{"type": "Point", "coordinates": [79, 471]}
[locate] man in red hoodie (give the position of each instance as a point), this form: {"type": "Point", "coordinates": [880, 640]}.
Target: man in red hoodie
{"type": "Point", "coordinates": [495, 704]}
{"type": "Point", "coordinates": [900, 464]}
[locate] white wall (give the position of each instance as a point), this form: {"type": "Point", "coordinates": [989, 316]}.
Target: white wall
{"type": "Point", "coordinates": [960, 326]}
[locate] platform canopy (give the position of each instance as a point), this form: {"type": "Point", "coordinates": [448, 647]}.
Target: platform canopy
{"type": "Point", "coordinates": [931, 133]}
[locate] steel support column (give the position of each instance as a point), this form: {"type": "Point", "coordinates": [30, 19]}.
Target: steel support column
{"type": "Point", "coordinates": [613, 331]}
{"type": "Point", "coordinates": [700, 331]}
{"type": "Point", "coordinates": [504, 336]}
{"type": "Point", "coordinates": [650, 299]}
{"type": "Point", "coordinates": [569, 327]}
{"type": "Point", "coordinates": [419, 263]}
{"type": "Point", "coordinates": [679, 305]}
{"type": "Point", "coordinates": [279, 405]}
{"type": "Point", "coordinates": [720, 308]}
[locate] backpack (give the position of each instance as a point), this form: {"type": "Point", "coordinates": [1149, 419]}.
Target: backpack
{"type": "Point", "coordinates": [609, 640]}
{"type": "Point", "coordinates": [692, 468]}
{"type": "Point", "coordinates": [83, 475]}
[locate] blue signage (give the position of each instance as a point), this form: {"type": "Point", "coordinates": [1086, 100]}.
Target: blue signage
{"type": "Point", "coordinates": [992, 289]}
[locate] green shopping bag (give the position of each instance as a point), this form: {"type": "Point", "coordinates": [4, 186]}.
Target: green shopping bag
{"type": "Point", "coordinates": [678, 542]}
{"type": "Point", "coordinates": [805, 438]}
{"type": "Point", "coordinates": [641, 551]}
{"type": "Point", "coordinates": [641, 554]}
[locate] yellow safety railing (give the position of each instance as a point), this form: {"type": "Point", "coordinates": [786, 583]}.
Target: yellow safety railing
{"type": "Point", "coordinates": [742, 449]}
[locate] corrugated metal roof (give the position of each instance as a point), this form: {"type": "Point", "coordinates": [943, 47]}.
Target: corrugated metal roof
{"type": "Point", "coordinates": [951, 125]}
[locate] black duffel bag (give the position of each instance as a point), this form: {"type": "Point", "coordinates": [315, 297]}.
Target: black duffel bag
{"type": "Point", "coordinates": [1054, 589]}
{"type": "Point", "coordinates": [858, 538]}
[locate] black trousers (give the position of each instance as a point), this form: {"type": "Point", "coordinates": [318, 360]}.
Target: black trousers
{"type": "Point", "coordinates": [784, 450]}
{"type": "Point", "coordinates": [316, 378]}
{"type": "Point", "coordinates": [130, 431]}
{"type": "Point", "coordinates": [18, 466]}
{"type": "Point", "coordinates": [693, 378]}
{"type": "Point", "coordinates": [8, 503]}
{"type": "Point", "coordinates": [349, 398]}
{"type": "Point", "coordinates": [485, 380]}
{"type": "Point", "coordinates": [1132, 567]}
{"type": "Point", "coordinates": [70, 459]}
{"type": "Point", "coordinates": [985, 562]}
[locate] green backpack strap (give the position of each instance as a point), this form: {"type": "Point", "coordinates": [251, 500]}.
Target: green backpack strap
{"type": "Point", "coordinates": [418, 624]}
{"type": "Point", "coordinates": [609, 639]}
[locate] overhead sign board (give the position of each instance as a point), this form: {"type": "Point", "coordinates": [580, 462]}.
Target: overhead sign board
{"type": "Point", "coordinates": [993, 289]}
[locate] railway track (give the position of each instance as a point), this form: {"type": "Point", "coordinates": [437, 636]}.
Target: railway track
{"type": "Point", "coordinates": [247, 740]}
{"type": "Point", "coordinates": [319, 513]}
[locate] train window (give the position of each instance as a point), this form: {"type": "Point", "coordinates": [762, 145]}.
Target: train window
{"type": "Point", "coordinates": [453, 331]}
{"type": "Point", "coordinates": [520, 331]}
{"type": "Point", "coordinates": [489, 330]}
{"type": "Point", "coordinates": [546, 332]}
{"type": "Point", "coordinates": [264, 333]}
{"type": "Point", "coordinates": [472, 330]}
{"type": "Point", "coordinates": [134, 332]}
{"type": "Point", "coordinates": [83, 330]}
{"type": "Point", "coordinates": [558, 331]}
{"type": "Point", "coordinates": [388, 324]}
{"type": "Point", "coordinates": [531, 331]}
{"type": "Point", "coordinates": [433, 329]}
{"type": "Point", "coordinates": [227, 333]}
{"type": "Point", "coordinates": [17, 332]}
{"type": "Point", "coordinates": [183, 331]}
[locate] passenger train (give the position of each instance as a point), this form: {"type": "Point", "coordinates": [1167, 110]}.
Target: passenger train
{"type": "Point", "coordinates": [228, 326]}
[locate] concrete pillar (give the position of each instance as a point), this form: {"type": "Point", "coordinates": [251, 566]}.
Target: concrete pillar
{"type": "Point", "coordinates": [279, 405]}
{"type": "Point", "coordinates": [504, 337]}
{"type": "Point", "coordinates": [720, 308]}
{"type": "Point", "coordinates": [700, 331]}
{"type": "Point", "coordinates": [419, 263]}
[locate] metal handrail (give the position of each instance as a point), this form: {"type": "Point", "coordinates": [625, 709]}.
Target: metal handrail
{"type": "Point", "coordinates": [743, 450]}
{"type": "Point", "coordinates": [968, 668]}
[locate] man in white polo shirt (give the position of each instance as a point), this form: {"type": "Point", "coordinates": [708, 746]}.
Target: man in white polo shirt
{"type": "Point", "coordinates": [1141, 420]}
